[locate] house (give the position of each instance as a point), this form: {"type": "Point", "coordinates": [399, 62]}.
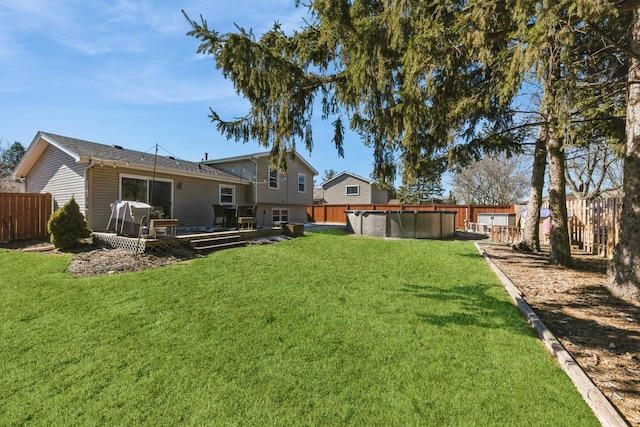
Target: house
{"type": "Point", "coordinates": [96, 175]}
{"type": "Point", "coordinates": [279, 196]}
{"type": "Point", "coordinates": [348, 188]}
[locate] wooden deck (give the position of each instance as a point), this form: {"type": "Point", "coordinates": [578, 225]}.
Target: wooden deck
{"type": "Point", "coordinates": [202, 241]}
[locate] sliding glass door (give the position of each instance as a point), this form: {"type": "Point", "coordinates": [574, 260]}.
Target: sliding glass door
{"type": "Point", "coordinates": [158, 193]}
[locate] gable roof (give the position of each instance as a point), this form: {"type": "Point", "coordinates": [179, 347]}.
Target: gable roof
{"type": "Point", "coordinates": [88, 152]}
{"type": "Point", "coordinates": [292, 154]}
{"type": "Point", "coordinates": [349, 174]}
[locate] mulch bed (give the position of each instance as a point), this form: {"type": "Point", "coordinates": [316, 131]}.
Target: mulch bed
{"type": "Point", "coordinates": [600, 331]}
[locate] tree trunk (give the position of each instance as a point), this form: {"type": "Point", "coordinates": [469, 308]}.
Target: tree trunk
{"type": "Point", "coordinates": [555, 115]}
{"type": "Point", "coordinates": [624, 269]}
{"type": "Point", "coordinates": [531, 226]}
{"type": "Point", "coordinates": [560, 249]}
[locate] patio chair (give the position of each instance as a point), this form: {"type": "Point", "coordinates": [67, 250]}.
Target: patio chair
{"type": "Point", "coordinates": [143, 227]}
{"type": "Point", "coordinates": [246, 217]}
{"type": "Point", "coordinates": [219, 216]}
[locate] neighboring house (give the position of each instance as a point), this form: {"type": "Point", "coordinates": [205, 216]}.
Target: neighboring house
{"type": "Point", "coordinates": [96, 175]}
{"type": "Point", "coordinates": [318, 196]}
{"type": "Point", "coordinates": [279, 196]}
{"type": "Point", "coordinates": [347, 188]}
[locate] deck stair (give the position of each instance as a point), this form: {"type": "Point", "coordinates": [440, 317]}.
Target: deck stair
{"type": "Point", "coordinates": [216, 242]}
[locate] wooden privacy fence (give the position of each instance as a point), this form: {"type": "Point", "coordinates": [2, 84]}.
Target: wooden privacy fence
{"type": "Point", "coordinates": [595, 224]}
{"type": "Point", "coordinates": [24, 216]}
{"type": "Point", "coordinates": [336, 213]}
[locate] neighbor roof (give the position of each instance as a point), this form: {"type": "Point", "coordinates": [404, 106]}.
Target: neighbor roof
{"type": "Point", "coordinates": [87, 151]}
{"type": "Point", "coordinates": [350, 174]}
{"type": "Point", "coordinates": [292, 154]}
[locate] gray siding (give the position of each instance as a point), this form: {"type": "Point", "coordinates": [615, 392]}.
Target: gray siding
{"type": "Point", "coordinates": [335, 191]}
{"type": "Point", "coordinates": [192, 198]}
{"type": "Point", "coordinates": [243, 168]}
{"type": "Point", "coordinates": [379, 196]}
{"type": "Point", "coordinates": [297, 214]}
{"type": "Point", "coordinates": [103, 190]}
{"type": "Point", "coordinates": [58, 173]}
{"type": "Point", "coordinates": [192, 201]}
{"type": "Point", "coordinates": [287, 194]}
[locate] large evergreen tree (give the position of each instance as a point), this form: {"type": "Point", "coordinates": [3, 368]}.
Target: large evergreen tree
{"type": "Point", "coordinates": [434, 82]}
{"type": "Point", "coordinates": [404, 75]}
{"type": "Point", "coordinates": [421, 191]}
{"type": "Point", "coordinates": [9, 158]}
{"type": "Point", "coordinates": [624, 270]}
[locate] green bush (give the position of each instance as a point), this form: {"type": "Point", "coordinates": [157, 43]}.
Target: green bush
{"type": "Point", "coordinates": [67, 226]}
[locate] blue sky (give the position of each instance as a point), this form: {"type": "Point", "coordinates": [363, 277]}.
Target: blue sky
{"type": "Point", "coordinates": [125, 72]}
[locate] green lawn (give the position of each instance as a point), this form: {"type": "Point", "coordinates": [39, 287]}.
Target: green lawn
{"type": "Point", "coordinates": [326, 329]}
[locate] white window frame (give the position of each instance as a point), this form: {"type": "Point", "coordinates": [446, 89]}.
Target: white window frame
{"type": "Point", "coordinates": [346, 190]}
{"type": "Point", "coordinates": [303, 183]}
{"type": "Point", "coordinates": [279, 219]}
{"type": "Point", "coordinates": [233, 195]}
{"type": "Point", "coordinates": [277, 178]}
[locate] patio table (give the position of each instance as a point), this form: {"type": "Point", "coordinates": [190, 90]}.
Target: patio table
{"type": "Point", "coordinates": [127, 212]}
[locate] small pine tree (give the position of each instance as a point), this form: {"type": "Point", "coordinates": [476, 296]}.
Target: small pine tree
{"type": "Point", "coordinates": [67, 226]}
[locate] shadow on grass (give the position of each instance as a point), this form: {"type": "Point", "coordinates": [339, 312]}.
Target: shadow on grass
{"type": "Point", "coordinates": [471, 305]}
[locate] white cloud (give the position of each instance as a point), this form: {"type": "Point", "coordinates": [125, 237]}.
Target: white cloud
{"type": "Point", "coordinates": [258, 15]}
{"type": "Point", "coordinates": [160, 82]}
{"type": "Point", "coordinates": [124, 50]}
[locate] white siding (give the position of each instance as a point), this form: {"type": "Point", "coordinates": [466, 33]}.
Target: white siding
{"type": "Point", "coordinates": [58, 173]}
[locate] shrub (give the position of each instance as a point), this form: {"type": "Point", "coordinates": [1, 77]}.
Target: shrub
{"type": "Point", "coordinates": [67, 226]}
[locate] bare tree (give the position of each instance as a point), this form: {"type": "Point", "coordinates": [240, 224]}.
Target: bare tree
{"type": "Point", "coordinates": [495, 180]}
{"type": "Point", "coordinates": [593, 169]}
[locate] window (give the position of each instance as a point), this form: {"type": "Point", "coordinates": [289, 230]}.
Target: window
{"type": "Point", "coordinates": [227, 195]}
{"type": "Point", "coordinates": [302, 183]}
{"type": "Point", "coordinates": [158, 193]}
{"type": "Point", "coordinates": [274, 178]}
{"type": "Point", "coordinates": [279, 215]}
{"type": "Point", "coordinates": [353, 190]}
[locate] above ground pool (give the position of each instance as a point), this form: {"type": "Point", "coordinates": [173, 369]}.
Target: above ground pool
{"type": "Point", "coordinates": [403, 224]}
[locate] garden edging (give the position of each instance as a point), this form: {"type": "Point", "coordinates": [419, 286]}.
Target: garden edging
{"type": "Point", "coordinates": [603, 409]}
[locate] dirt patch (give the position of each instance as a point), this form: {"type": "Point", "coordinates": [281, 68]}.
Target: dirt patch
{"type": "Point", "coordinates": [599, 330]}
{"type": "Point", "coordinates": [91, 261]}
{"type": "Point", "coordinates": [100, 262]}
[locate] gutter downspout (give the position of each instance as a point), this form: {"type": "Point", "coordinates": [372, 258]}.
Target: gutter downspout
{"type": "Point", "coordinates": [255, 184]}
{"type": "Point", "coordinates": [86, 189]}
